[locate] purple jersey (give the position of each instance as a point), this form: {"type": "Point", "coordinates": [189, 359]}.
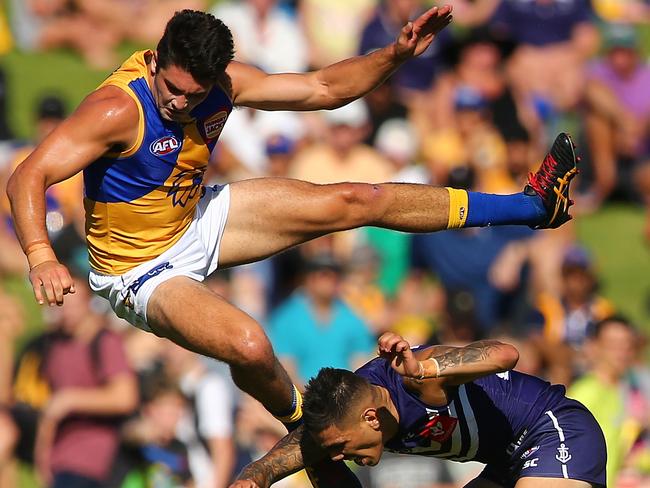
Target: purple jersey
{"type": "Point", "coordinates": [482, 421]}
{"type": "Point", "coordinates": [517, 424]}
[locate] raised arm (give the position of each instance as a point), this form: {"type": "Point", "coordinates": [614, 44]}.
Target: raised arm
{"type": "Point", "coordinates": [340, 83]}
{"type": "Point", "coordinates": [106, 119]}
{"type": "Point", "coordinates": [452, 365]}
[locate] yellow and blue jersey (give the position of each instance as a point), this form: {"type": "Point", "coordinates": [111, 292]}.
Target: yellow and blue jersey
{"type": "Point", "coordinates": [140, 201]}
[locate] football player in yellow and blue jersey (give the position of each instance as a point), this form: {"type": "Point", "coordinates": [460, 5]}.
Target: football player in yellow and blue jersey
{"type": "Point", "coordinates": [154, 231]}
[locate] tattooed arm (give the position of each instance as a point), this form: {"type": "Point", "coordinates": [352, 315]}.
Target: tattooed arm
{"type": "Point", "coordinates": [284, 459]}
{"type": "Point", "coordinates": [454, 365]}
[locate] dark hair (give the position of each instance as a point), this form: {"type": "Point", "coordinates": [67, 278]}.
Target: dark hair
{"type": "Point", "coordinates": [197, 42]}
{"type": "Point", "coordinates": [594, 330]}
{"type": "Point", "coordinates": [50, 107]}
{"type": "Point", "coordinates": [329, 396]}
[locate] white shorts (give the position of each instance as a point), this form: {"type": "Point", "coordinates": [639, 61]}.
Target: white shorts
{"type": "Point", "coordinates": [195, 255]}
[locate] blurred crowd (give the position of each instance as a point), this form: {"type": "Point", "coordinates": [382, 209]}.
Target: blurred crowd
{"type": "Point", "coordinates": [89, 397]}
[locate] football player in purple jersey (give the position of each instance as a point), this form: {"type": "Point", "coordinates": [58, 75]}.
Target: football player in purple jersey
{"type": "Point", "coordinates": [457, 403]}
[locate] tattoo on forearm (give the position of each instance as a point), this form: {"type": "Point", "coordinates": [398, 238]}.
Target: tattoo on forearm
{"type": "Point", "coordinates": [284, 459]}
{"type": "Point", "coordinates": [473, 353]}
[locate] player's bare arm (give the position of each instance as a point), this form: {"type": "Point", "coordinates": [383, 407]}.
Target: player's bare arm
{"type": "Point", "coordinates": [106, 120]}
{"type": "Point", "coordinates": [450, 365]}
{"type": "Point", "coordinates": [340, 83]}
{"type": "Point", "coordinates": [284, 459]}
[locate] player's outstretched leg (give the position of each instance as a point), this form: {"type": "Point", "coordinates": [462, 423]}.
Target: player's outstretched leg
{"type": "Point", "coordinates": [269, 215]}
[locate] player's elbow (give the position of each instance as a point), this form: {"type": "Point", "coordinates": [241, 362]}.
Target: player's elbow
{"type": "Point", "coordinates": [507, 356]}
{"type": "Point", "coordinates": [20, 180]}
{"type": "Point", "coordinates": [12, 186]}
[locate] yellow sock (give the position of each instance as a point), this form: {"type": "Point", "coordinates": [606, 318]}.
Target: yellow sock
{"type": "Point", "coordinates": [458, 208]}
{"type": "Point", "coordinates": [297, 409]}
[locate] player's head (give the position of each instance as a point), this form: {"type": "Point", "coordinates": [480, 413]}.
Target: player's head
{"type": "Point", "coordinates": [191, 56]}
{"type": "Point", "coordinates": [341, 413]}
{"type": "Point", "coordinates": [616, 342]}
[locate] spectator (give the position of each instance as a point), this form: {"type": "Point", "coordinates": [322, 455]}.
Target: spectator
{"type": "Point", "coordinates": [208, 429]}
{"type": "Point", "coordinates": [463, 261]}
{"type": "Point", "coordinates": [332, 28]}
{"type": "Point", "coordinates": [342, 156]}
{"type": "Point", "coordinates": [478, 72]}
{"type": "Point", "coordinates": [568, 316]}
{"type": "Point", "coordinates": [92, 386]}
{"type": "Point", "coordinates": [416, 75]}
{"type": "Point", "coordinates": [314, 327]}
{"type": "Point", "coordinates": [383, 105]}
{"type": "Point", "coordinates": [554, 38]}
{"type": "Point", "coordinates": [605, 389]}
{"type": "Point", "coordinates": [151, 16]}
{"type": "Point", "coordinates": [40, 25]}
{"type": "Point", "coordinates": [623, 11]}
{"type": "Point", "coordinates": [246, 133]}
{"type": "Point", "coordinates": [162, 459]}
{"type": "Point", "coordinates": [360, 290]}
{"type": "Point", "coordinates": [618, 115]}
{"type": "Point", "coordinates": [265, 35]}
{"type": "Point", "coordinates": [64, 199]}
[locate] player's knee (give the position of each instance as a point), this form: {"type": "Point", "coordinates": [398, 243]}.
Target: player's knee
{"type": "Point", "coordinates": [254, 351]}
{"type": "Point", "coordinates": [357, 204]}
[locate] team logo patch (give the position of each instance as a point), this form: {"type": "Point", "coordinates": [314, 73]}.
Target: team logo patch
{"type": "Point", "coordinates": [439, 428]}
{"type": "Point", "coordinates": [213, 125]}
{"type": "Point", "coordinates": [563, 454]}
{"type": "Point", "coordinates": [164, 145]}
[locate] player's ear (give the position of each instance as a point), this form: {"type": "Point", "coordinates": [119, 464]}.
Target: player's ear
{"type": "Point", "coordinates": [371, 418]}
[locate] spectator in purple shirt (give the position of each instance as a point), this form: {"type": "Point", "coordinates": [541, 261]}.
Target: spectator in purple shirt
{"type": "Point", "coordinates": [618, 114]}
{"type": "Point", "coordinates": [91, 386]}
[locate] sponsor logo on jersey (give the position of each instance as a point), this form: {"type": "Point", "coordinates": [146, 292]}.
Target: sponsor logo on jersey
{"type": "Point", "coordinates": [528, 452]}
{"type": "Point", "coordinates": [164, 145]}
{"type": "Point", "coordinates": [213, 125]}
{"type": "Point", "coordinates": [531, 463]}
{"type": "Point", "coordinates": [517, 444]}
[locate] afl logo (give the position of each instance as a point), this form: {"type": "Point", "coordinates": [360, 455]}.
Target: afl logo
{"type": "Point", "coordinates": [214, 124]}
{"type": "Point", "coordinates": [164, 145]}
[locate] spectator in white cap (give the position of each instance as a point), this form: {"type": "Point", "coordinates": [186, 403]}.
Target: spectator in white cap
{"type": "Point", "coordinates": [342, 154]}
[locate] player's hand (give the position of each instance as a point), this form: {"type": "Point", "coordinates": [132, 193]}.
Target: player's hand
{"type": "Point", "coordinates": [397, 351]}
{"type": "Point", "coordinates": [416, 36]}
{"type": "Point", "coordinates": [51, 281]}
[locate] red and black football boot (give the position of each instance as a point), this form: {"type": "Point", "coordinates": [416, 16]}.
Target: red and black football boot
{"type": "Point", "coordinates": [553, 179]}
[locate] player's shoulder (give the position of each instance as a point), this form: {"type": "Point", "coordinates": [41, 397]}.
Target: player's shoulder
{"type": "Point", "coordinates": [111, 101]}
{"type": "Point", "coordinates": [109, 110]}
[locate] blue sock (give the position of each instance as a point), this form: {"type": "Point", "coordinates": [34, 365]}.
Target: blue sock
{"type": "Point", "coordinates": [488, 209]}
